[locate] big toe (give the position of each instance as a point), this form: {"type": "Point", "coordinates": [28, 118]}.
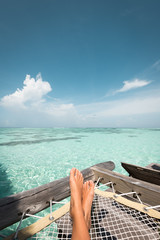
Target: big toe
{"type": "Point", "coordinates": [72, 173]}
{"type": "Point", "coordinates": [78, 175]}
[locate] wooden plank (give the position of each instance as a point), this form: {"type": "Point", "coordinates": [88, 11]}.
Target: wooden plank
{"type": "Point", "coordinates": [143, 173]}
{"type": "Point", "coordinates": [40, 224]}
{"type": "Point", "coordinates": [148, 193]}
{"type": "Point", "coordinates": [37, 199]}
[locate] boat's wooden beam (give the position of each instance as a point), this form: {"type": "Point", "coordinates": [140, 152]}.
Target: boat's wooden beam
{"type": "Point", "coordinates": [148, 193]}
{"type": "Point", "coordinates": [147, 174]}
{"type": "Point", "coordinates": [37, 199]}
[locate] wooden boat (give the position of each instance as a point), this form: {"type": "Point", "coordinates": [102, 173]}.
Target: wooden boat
{"type": "Point", "coordinates": [151, 173]}
{"type": "Point", "coordinates": [126, 191]}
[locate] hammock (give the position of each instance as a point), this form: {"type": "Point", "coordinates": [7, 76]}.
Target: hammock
{"type": "Point", "coordinates": [113, 217]}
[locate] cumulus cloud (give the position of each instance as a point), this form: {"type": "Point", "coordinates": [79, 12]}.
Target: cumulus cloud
{"type": "Point", "coordinates": [30, 107]}
{"type": "Point", "coordinates": [129, 85]}
{"type": "Point", "coordinates": [33, 91]}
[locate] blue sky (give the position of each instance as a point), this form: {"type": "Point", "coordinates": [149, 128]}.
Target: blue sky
{"type": "Point", "coordinates": [70, 63]}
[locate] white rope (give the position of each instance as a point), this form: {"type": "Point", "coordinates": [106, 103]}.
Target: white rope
{"type": "Point", "coordinates": [105, 184]}
{"type": "Point", "coordinates": [125, 194]}
{"type": "Point", "coordinates": [53, 202]}
{"type": "Point", "coordinates": [97, 182]}
{"type": "Point", "coordinates": [51, 217]}
{"type": "Point", "coordinates": [15, 236]}
{"type": "Point", "coordinates": [152, 207]}
{"type": "Point", "coordinates": [30, 215]}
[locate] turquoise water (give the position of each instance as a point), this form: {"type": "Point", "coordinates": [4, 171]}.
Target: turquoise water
{"type": "Point", "coordinates": [32, 157]}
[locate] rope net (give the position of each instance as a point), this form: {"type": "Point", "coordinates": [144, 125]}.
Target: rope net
{"type": "Point", "coordinates": [110, 220]}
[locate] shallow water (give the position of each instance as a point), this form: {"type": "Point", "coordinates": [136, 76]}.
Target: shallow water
{"type": "Point", "coordinates": [32, 157]}
{"type": "Point", "coordinates": [35, 156]}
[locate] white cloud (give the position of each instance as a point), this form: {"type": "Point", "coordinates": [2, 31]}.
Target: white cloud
{"type": "Point", "coordinates": [129, 85]}
{"type": "Point", "coordinates": [129, 112]}
{"type": "Point", "coordinates": [133, 106]}
{"type": "Point", "coordinates": [156, 65]}
{"type": "Point", "coordinates": [57, 109]}
{"type": "Point", "coordinates": [33, 91]}
{"type": "Point", "coordinates": [123, 107]}
{"type": "Point", "coordinates": [28, 107]}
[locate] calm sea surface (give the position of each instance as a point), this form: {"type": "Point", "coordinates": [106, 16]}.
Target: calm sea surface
{"type": "Point", "coordinates": [30, 157]}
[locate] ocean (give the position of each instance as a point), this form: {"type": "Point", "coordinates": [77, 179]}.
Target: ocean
{"type": "Point", "coordinates": [30, 157]}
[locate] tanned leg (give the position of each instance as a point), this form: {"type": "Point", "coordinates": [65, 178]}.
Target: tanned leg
{"type": "Point", "coordinates": [80, 229]}
{"type": "Point", "coordinates": [88, 195]}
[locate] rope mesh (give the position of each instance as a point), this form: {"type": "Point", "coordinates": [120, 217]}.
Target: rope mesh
{"type": "Point", "coordinates": [110, 220]}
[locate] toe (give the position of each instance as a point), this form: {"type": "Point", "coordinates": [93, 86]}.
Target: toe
{"type": "Point", "coordinates": [85, 186]}
{"type": "Point", "coordinates": [91, 183]}
{"type": "Point", "coordinates": [79, 175]}
{"type": "Point", "coordinates": [72, 173]}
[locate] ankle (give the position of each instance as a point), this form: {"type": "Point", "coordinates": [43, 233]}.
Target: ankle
{"type": "Point", "coordinates": [77, 212]}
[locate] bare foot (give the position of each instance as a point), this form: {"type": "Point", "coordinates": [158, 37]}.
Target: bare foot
{"type": "Point", "coordinates": [88, 195]}
{"type": "Point", "coordinates": [76, 186]}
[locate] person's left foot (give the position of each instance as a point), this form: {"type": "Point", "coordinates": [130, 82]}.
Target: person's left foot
{"type": "Point", "coordinates": [76, 186]}
{"type": "Point", "coordinates": [88, 195]}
